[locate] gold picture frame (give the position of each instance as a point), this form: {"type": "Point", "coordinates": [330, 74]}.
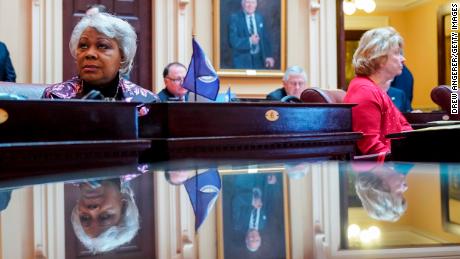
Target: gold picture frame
{"type": "Point", "coordinates": [232, 233]}
{"type": "Point", "coordinates": [234, 60]}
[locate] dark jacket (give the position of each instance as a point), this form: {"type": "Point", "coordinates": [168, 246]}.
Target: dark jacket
{"type": "Point", "coordinates": [165, 96]}
{"type": "Point", "coordinates": [405, 82]}
{"type": "Point", "coordinates": [238, 37]}
{"type": "Point", "coordinates": [398, 97]}
{"type": "Point", "coordinates": [277, 95]}
{"type": "Point", "coordinates": [6, 67]}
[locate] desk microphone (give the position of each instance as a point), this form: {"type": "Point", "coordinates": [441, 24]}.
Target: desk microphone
{"type": "Point", "coordinates": [93, 95]}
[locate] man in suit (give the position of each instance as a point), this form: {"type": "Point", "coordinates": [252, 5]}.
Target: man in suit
{"type": "Point", "coordinates": [173, 76]}
{"type": "Point", "coordinates": [248, 39]}
{"type": "Point", "coordinates": [404, 82]}
{"type": "Point", "coordinates": [399, 99]}
{"type": "Point", "coordinates": [6, 67]}
{"type": "Point", "coordinates": [294, 83]}
{"type": "Point", "coordinates": [251, 205]}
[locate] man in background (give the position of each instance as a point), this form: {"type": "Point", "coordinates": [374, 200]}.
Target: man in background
{"type": "Point", "coordinates": [399, 99]}
{"type": "Point", "coordinates": [173, 76]}
{"type": "Point", "coordinates": [7, 72]}
{"type": "Point", "coordinates": [249, 43]}
{"type": "Point", "coordinates": [405, 83]}
{"type": "Point", "coordinates": [294, 83]}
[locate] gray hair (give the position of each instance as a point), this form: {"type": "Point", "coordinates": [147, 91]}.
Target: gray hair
{"type": "Point", "coordinates": [246, 240]}
{"type": "Point", "coordinates": [112, 27]}
{"type": "Point", "coordinates": [294, 70]}
{"type": "Point", "coordinates": [373, 49]}
{"type": "Point", "coordinates": [377, 199]}
{"type": "Point", "coordinates": [115, 236]}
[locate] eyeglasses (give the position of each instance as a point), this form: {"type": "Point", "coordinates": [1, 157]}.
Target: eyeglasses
{"type": "Point", "coordinates": [176, 80]}
{"type": "Point", "coordinates": [295, 83]}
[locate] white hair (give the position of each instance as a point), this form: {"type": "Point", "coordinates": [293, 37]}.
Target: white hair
{"type": "Point", "coordinates": [377, 199]}
{"type": "Point", "coordinates": [112, 27]}
{"type": "Point", "coordinates": [373, 49]}
{"type": "Point", "coordinates": [115, 236]}
{"type": "Point", "coordinates": [294, 70]}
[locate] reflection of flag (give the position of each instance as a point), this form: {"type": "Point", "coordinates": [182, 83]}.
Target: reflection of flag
{"type": "Point", "coordinates": [201, 77]}
{"type": "Point", "coordinates": [203, 190]}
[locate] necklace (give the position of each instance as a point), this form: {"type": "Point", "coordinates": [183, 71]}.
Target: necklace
{"type": "Point", "coordinates": [114, 98]}
{"type": "Point", "coordinates": [101, 96]}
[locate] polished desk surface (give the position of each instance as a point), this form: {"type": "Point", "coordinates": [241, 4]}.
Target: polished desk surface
{"type": "Point", "coordinates": [418, 205]}
{"type": "Point", "coordinates": [86, 167]}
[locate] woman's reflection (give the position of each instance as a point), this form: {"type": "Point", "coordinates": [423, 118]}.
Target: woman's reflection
{"type": "Point", "coordinates": [106, 215]}
{"type": "Point", "coordinates": [381, 189]}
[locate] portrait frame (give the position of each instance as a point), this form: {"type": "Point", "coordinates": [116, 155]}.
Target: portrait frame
{"type": "Point", "coordinates": [275, 36]}
{"type": "Point", "coordinates": [227, 247]}
{"type": "Point", "coordinates": [450, 194]}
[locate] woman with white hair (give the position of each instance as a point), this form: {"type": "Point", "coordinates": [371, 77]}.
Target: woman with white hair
{"type": "Point", "coordinates": [377, 60]}
{"type": "Point", "coordinates": [103, 47]}
{"type": "Point", "coordinates": [105, 216]}
{"type": "Point", "coordinates": [381, 187]}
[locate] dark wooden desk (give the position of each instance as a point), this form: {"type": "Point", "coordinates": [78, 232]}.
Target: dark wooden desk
{"type": "Point", "coordinates": [44, 136]}
{"type": "Point", "coordinates": [56, 135]}
{"type": "Point", "coordinates": [65, 120]}
{"type": "Point", "coordinates": [420, 120]}
{"type": "Point", "coordinates": [248, 130]}
{"type": "Point", "coordinates": [440, 145]}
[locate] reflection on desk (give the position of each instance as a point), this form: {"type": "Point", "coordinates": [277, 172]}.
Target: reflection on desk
{"type": "Point", "coordinates": [291, 205]}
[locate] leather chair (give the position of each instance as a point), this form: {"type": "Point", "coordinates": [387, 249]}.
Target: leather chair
{"type": "Point", "coordinates": [317, 95]}
{"type": "Point", "coordinates": [27, 91]}
{"type": "Point", "coordinates": [441, 96]}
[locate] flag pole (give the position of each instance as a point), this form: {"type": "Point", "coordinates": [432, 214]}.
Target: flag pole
{"type": "Point", "coordinates": [193, 47]}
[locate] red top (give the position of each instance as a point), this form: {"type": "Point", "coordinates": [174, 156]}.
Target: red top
{"type": "Point", "coordinates": [375, 115]}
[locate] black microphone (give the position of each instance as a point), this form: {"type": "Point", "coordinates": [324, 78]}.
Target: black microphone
{"type": "Point", "coordinates": [93, 95]}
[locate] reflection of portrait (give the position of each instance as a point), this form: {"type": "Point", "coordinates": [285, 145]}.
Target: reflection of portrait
{"type": "Point", "coordinates": [381, 190]}
{"type": "Point", "coordinates": [105, 216]}
{"type": "Point", "coordinates": [253, 216]}
{"type": "Point", "coordinates": [245, 39]}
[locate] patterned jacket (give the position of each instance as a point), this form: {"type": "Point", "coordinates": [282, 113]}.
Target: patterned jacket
{"type": "Point", "coordinates": [130, 91]}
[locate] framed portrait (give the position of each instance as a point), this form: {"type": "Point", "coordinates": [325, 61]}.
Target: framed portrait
{"type": "Point", "coordinates": [249, 37]}
{"type": "Point", "coordinates": [450, 197]}
{"type": "Point", "coordinates": [253, 219]}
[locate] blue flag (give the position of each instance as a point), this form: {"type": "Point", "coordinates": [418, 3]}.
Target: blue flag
{"type": "Point", "coordinates": [203, 190]}
{"type": "Point", "coordinates": [201, 77]}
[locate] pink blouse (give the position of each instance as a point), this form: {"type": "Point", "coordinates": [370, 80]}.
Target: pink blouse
{"type": "Point", "coordinates": [374, 115]}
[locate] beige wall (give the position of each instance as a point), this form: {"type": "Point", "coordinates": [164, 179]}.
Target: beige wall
{"type": "Point", "coordinates": [15, 32]}
{"type": "Point", "coordinates": [17, 226]}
